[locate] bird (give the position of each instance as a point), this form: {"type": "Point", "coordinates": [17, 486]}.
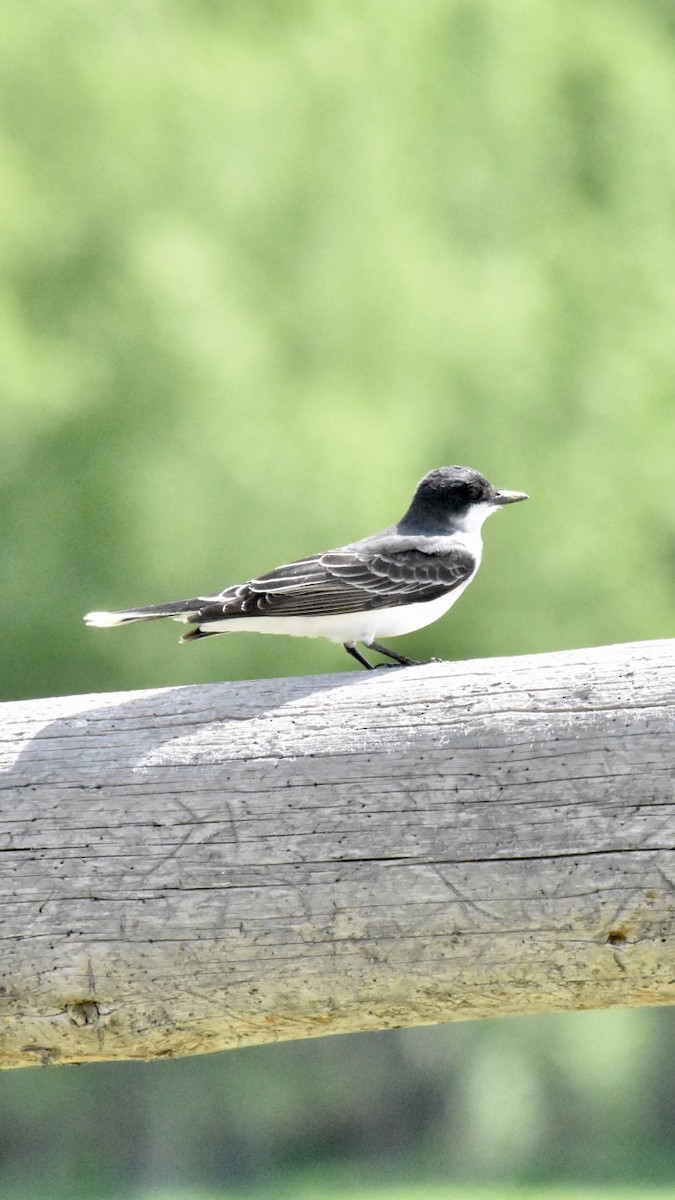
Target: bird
{"type": "Point", "coordinates": [390, 583]}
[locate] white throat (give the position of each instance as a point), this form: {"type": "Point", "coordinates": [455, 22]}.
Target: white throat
{"type": "Point", "coordinates": [474, 518]}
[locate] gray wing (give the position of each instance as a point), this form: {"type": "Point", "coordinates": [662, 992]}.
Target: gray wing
{"type": "Point", "coordinates": [353, 579]}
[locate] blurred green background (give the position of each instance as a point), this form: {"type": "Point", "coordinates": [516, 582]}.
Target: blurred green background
{"type": "Point", "coordinates": [263, 265]}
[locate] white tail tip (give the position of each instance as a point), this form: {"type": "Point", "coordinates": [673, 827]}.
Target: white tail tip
{"type": "Point", "coordinates": [104, 619]}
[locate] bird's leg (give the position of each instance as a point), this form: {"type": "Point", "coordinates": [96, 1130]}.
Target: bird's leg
{"type": "Point", "coordinates": [399, 658]}
{"type": "Point", "coordinates": [358, 656]}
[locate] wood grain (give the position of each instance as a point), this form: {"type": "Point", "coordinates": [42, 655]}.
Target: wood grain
{"type": "Point", "coordinates": [191, 869]}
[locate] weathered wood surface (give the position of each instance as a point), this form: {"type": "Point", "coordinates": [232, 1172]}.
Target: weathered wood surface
{"type": "Point", "coordinates": [203, 867]}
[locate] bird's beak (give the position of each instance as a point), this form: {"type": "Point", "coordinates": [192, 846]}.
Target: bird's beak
{"type": "Point", "coordinates": [504, 497]}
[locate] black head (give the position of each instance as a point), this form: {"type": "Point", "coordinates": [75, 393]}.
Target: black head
{"type": "Point", "coordinates": [452, 493]}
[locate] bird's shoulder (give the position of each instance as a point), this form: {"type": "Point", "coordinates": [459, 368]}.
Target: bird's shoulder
{"type": "Point", "coordinates": [406, 559]}
{"type": "Point", "coordinates": [388, 560]}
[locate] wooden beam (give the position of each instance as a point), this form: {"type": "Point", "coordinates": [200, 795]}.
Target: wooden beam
{"type": "Point", "coordinates": [196, 868]}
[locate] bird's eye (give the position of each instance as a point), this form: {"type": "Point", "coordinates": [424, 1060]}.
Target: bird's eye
{"type": "Point", "coordinates": [472, 493]}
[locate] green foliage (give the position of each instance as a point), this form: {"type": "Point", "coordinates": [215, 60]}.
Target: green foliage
{"type": "Point", "coordinates": [311, 1190]}
{"type": "Point", "coordinates": [248, 248]}
{"type": "Point", "coordinates": [264, 264]}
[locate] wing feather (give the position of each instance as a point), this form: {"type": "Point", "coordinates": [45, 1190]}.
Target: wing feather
{"type": "Point", "coordinates": [354, 579]}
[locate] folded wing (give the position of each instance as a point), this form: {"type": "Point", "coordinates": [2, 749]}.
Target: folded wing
{"type": "Point", "coordinates": [343, 581]}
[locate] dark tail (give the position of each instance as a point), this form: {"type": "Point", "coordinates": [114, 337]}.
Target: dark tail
{"type": "Point", "coordinates": [182, 610]}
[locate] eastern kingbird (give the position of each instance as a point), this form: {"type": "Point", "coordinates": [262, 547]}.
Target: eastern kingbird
{"type": "Point", "coordinates": [389, 583]}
